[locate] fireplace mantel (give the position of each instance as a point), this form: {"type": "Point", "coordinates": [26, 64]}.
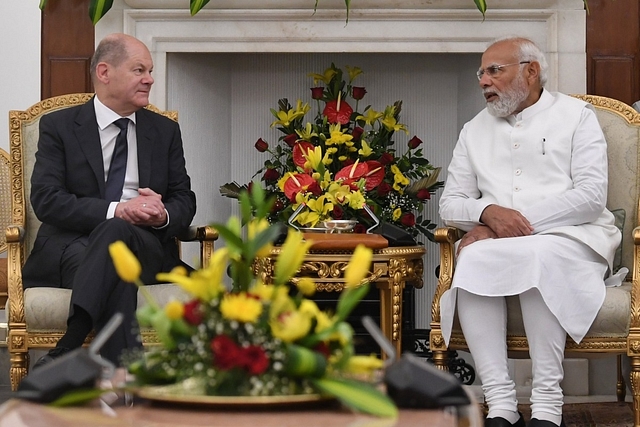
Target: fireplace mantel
{"type": "Point", "coordinates": [384, 26]}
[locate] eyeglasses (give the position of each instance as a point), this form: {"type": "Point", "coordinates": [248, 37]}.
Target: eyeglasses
{"type": "Point", "coordinates": [495, 70]}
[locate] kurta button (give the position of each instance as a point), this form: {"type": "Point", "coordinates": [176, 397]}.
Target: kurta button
{"type": "Point", "coordinates": [518, 172]}
{"type": "Point", "coordinates": [516, 189]}
{"type": "Point", "coordinates": [516, 145]}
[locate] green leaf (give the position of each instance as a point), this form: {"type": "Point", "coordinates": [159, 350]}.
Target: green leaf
{"type": "Point", "coordinates": [481, 5]}
{"type": "Point", "coordinates": [196, 5]}
{"type": "Point", "coordinates": [349, 298]}
{"type": "Point", "coordinates": [78, 397]}
{"type": "Point", "coordinates": [357, 395]}
{"type": "Point", "coordinates": [43, 3]}
{"type": "Point", "coordinates": [98, 8]}
{"type": "Point", "coordinates": [231, 238]}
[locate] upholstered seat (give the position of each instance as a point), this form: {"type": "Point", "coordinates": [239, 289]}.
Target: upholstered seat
{"type": "Point", "coordinates": [616, 329]}
{"type": "Point", "coordinates": [37, 317]}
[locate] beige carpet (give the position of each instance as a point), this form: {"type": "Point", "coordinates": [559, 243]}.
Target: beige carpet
{"type": "Point", "coordinates": [600, 414]}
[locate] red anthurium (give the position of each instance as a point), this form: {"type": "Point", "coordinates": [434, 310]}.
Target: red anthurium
{"type": "Point", "coordinates": [374, 176]}
{"type": "Point", "coordinates": [352, 172]}
{"type": "Point", "coordinates": [297, 183]}
{"type": "Point", "coordinates": [337, 113]}
{"type": "Point", "coordinates": [301, 149]}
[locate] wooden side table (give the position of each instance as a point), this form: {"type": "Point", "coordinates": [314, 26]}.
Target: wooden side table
{"type": "Point", "coordinates": [392, 268]}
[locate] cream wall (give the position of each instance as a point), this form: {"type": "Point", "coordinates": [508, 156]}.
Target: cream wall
{"type": "Point", "coordinates": [20, 59]}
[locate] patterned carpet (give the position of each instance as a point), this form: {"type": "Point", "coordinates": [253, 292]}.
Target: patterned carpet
{"type": "Point", "coordinates": [601, 414]}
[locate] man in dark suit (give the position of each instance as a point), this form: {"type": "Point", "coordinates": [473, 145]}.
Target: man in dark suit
{"type": "Point", "coordinates": [107, 170]}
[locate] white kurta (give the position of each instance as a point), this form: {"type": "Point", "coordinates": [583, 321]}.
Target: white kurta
{"type": "Point", "coordinates": [550, 163]}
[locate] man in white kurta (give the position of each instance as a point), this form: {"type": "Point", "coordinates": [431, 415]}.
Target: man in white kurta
{"type": "Point", "coordinates": [528, 183]}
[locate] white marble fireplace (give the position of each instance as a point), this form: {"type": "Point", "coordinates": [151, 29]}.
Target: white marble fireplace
{"type": "Point", "coordinates": [223, 68]}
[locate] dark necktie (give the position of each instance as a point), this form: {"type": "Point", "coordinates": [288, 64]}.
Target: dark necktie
{"type": "Point", "coordinates": [118, 167]}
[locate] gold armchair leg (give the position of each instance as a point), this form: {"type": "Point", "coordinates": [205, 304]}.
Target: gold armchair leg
{"type": "Point", "coordinates": [635, 388]}
{"type": "Point", "coordinates": [621, 387]}
{"type": "Point", "coordinates": [19, 368]}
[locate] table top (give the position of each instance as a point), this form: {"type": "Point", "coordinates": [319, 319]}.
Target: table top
{"type": "Point", "coordinates": [17, 413]}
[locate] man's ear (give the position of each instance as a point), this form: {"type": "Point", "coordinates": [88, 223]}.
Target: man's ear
{"type": "Point", "coordinates": [533, 69]}
{"type": "Point", "coordinates": [102, 72]}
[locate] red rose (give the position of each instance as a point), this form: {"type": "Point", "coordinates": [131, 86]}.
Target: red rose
{"type": "Point", "coordinates": [226, 353]}
{"type": "Point", "coordinates": [357, 133]}
{"type": "Point", "coordinates": [384, 189]}
{"type": "Point", "coordinates": [360, 229]}
{"type": "Point", "coordinates": [386, 158]}
{"type": "Point", "coordinates": [192, 314]}
{"type": "Point", "coordinates": [261, 145]}
{"type": "Point", "coordinates": [423, 194]}
{"type": "Point", "coordinates": [316, 92]}
{"type": "Point", "coordinates": [291, 139]}
{"type": "Point", "coordinates": [315, 189]}
{"type": "Point", "coordinates": [337, 212]}
{"type": "Point", "coordinates": [414, 142]}
{"type": "Point", "coordinates": [408, 219]}
{"type": "Point", "coordinates": [277, 206]}
{"type": "Point", "coordinates": [323, 349]}
{"type": "Point", "coordinates": [358, 92]}
{"type": "Point", "coordinates": [255, 360]}
{"type": "Point", "coordinates": [271, 175]}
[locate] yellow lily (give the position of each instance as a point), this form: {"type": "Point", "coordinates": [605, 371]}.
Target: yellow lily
{"type": "Point", "coordinates": [301, 109]}
{"type": "Point", "coordinates": [126, 264]}
{"type": "Point", "coordinates": [204, 284]}
{"type": "Point", "coordinates": [255, 227]}
{"type": "Point", "coordinates": [399, 180]}
{"type": "Point", "coordinates": [314, 159]}
{"type": "Point", "coordinates": [307, 286]}
{"type": "Point", "coordinates": [262, 291]}
{"type": "Point", "coordinates": [391, 124]}
{"type": "Point", "coordinates": [337, 137]}
{"type": "Point", "coordinates": [291, 256]}
{"type": "Point", "coordinates": [358, 266]}
{"type": "Point", "coordinates": [240, 307]}
{"type": "Point", "coordinates": [325, 77]}
{"type": "Point", "coordinates": [370, 117]}
{"type": "Point", "coordinates": [366, 150]}
{"type": "Point", "coordinates": [356, 200]}
{"type": "Point", "coordinates": [353, 72]}
{"type": "Point", "coordinates": [307, 132]}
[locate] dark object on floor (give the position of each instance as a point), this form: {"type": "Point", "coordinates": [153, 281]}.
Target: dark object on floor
{"type": "Point", "coordinates": [76, 369]}
{"type": "Point", "coordinates": [51, 355]}
{"type": "Point", "coordinates": [543, 423]}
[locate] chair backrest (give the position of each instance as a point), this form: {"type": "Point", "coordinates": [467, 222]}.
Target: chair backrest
{"type": "Point", "coordinates": [5, 197]}
{"type": "Point", "coordinates": [23, 143]}
{"type": "Point", "coordinates": [621, 126]}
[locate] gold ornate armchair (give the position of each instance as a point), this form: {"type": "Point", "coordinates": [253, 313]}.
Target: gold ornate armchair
{"type": "Point", "coordinates": [616, 329]}
{"type": "Point", "coordinates": [37, 317]}
{"type": "Point", "coordinates": [5, 214]}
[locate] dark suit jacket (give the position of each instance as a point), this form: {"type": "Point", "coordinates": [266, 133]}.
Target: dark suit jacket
{"type": "Point", "coordinates": [67, 185]}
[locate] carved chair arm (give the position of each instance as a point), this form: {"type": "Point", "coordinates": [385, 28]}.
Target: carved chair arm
{"type": "Point", "coordinates": [15, 235]}
{"type": "Point", "coordinates": [204, 234]}
{"type": "Point", "coordinates": [446, 238]}
{"type": "Point", "coordinates": [635, 286]}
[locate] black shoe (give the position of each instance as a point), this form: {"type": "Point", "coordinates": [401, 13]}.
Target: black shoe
{"type": "Point", "coordinates": [544, 423]}
{"type": "Point", "coordinates": [53, 354]}
{"type": "Point", "coordinates": [501, 422]}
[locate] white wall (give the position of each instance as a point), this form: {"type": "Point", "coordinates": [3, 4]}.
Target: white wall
{"type": "Point", "coordinates": [20, 53]}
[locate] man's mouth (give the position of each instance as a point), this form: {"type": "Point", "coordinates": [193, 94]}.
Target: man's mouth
{"type": "Point", "coordinates": [490, 96]}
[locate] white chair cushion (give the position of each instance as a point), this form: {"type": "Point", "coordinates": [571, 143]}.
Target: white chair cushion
{"type": "Point", "coordinates": [47, 309]}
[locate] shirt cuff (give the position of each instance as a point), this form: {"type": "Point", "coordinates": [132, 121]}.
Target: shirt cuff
{"type": "Point", "coordinates": [111, 212]}
{"type": "Point", "coordinates": [166, 222]}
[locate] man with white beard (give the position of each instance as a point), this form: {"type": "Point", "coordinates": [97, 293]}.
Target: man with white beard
{"type": "Point", "coordinates": [528, 184]}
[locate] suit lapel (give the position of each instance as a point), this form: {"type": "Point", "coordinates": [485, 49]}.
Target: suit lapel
{"type": "Point", "coordinates": [86, 131]}
{"type": "Point", "coordinates": [145, 135]}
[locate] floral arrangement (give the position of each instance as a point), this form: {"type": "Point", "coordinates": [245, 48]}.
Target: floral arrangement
{"type": "Point", "coordinates": [344, 159]}
{"type": "Point", "coordinates": [256, 339]}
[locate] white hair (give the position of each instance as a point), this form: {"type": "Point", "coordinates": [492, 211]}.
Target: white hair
{"type": "Point", "coordinates": [529, 51]}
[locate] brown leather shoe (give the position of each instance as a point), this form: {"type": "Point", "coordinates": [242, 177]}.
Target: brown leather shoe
{"type": "Point", "coordinates": [501, 422]}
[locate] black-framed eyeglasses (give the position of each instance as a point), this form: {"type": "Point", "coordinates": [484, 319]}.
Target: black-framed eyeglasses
{"type": "Point", "coordinates": [495, 70]}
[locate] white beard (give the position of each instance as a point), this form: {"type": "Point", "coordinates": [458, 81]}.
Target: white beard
{"type": "Point", "coordinates": [509, 100]}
